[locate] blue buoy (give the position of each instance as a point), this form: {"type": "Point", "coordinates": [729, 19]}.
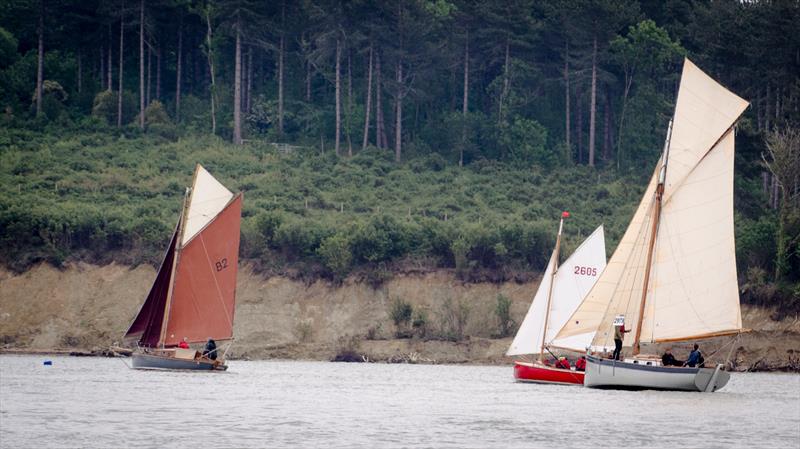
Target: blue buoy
{"type": "Point", "coordinates": [48, 363]}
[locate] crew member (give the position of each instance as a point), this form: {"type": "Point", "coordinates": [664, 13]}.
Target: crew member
{"type": "Point", "coordinates": [619, 334]}
{"type": "Point", "coordinates": [183, 344]}
{"type": "Point", "coordinates": [580, 364]}
{"type": "Point", "coordinates": [669, 360]}
{"type": "Point", "coordinates": [562, 363]}
{"type": "Point", "coordinates": [210, 350]}
{"type": "Point", "coordinates": [695, 358]}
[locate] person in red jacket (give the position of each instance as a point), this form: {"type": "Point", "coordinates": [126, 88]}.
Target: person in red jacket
{"type": "Point", "coordinates": [562, 363]}
{"type": "Point", "coordinates": [580, 364]}
{"type": "Point", "coordinates": [183, 344]}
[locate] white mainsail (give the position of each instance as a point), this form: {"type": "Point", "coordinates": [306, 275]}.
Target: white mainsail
{"type": "Point", "coordinates": [207, 199]}
{"type": "Point", "coordinates": [692, 290]}
{"type": "Point", "coordinates": [574, 278]}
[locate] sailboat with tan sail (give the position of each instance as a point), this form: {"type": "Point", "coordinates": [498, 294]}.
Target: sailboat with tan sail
{"type": "Point", "coordinates": [193, 297]}
{"type": "Point", "coordinates": [562, 289]}
{"type": "Point", "coordinates": [673, 274]}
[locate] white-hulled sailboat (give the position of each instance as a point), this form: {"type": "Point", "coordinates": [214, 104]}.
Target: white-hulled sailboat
{"type": "Point", "coordinates": [194, 294]}
{"type": "Point", "coordinates": [673, 275]}
{"type": "Point", "coordinates": [561, 291]}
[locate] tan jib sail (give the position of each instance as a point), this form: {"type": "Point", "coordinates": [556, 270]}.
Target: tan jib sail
{"type": "Point", "coordinates": [692, 290]}
{"type": "Point", "coordinates": [194, 294]}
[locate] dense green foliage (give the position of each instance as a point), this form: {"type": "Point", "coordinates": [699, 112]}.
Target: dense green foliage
{"type": "Point", "coordinates": [547, 105]}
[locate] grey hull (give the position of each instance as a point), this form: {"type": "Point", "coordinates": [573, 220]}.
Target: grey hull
{"type": "Point", "coordinates": [603, 373]}
{"type": "Point", "coordinates": [151, 361]}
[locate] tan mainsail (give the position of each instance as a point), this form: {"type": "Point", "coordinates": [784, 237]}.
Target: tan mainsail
{"type": "Point", "coordinates": [692, 290]}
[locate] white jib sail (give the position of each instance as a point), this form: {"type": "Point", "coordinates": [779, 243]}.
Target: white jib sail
{"type": "Point", "coordinates": [207, 199]}
{"type": "Point", "coordinates": [573, 280]}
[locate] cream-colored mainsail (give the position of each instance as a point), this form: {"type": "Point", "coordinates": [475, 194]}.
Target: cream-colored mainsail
{"type": "Point", "coordinates": [692, 290]}
{"type": "Point", "coordinates": [574, 278]}
{"type": "Point", "coordinates": [207, 199]}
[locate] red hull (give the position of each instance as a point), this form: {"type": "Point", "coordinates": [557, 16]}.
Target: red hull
{"type": "Point", "coordinates": [535, 372]}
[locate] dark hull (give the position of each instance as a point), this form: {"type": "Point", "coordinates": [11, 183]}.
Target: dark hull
{"type": "Point", "coordinates": [152, 361]}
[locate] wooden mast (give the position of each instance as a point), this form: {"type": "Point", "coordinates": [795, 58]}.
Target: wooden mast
{"type": "Point", "coordinates": [552, 281]}
{"type": "Point", "coordinates": [186, 201]}
{"type": "Point", "coordinates": [653, 230]}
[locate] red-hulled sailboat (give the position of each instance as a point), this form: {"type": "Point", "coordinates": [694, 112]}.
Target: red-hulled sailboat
{"type": "Point", "coordinates": [561, 292]}
{"type": "Point", "coordinates": [193, 297]}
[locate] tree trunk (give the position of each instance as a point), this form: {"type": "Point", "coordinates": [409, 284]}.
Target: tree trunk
{"type": "Point", "coordinates": [338, 95]}
{"type": "Point", "coordinates": [210, 56]}
{"type": "Point", "coordinates": [349, 115]}
{"type": "Point", "coordinates": [280, 84]}
{"type": "Point", "coordinates": [249, 79]}
{"type": "Point", "coordinates": [110, 58]}
{"type": "Point", "coordinates": [567, 127]}
{"type": "Point", "coordinates": [149, 90]}
{"type": "Point", "coordinates": [308, 82]}
{"type": "Point", "coordinates": [368, 102]}
{"type": "Point", "coordinates": [40, 60]}
{"type": "Point", "coordinates": [593, 106]}
{"type": "Point", "coordinates": [506, 82]}
{"type": "Point", "coordinates": [102, 67]}
{"type": "Point", "coordinates": [606, 127]}
{"type": "Point", "coordinates": [237, 87]}
{"type": "Point", "coordinates": [141, 64]}
{"type": "Point", "coordinates": [80, 71]}
{"type": "Point", "coordinates": [398, 128]}
{"type": "Point", "coordinates": [158, 72]}
{"type": "Point", "coordinates": [579, 130]}
{"type": "Point", "coordinates": [464, 102]}
{"type": "Point", "coordinates": [244, 79]}
{"type": "Point", "coordinates": [626, 91]}
{"type": "Point", "coordinates": [121, 48]}
{"type": "Point", "coordinates": [179, 66]}
{"type": "Point", "coordinates": [380, 129]}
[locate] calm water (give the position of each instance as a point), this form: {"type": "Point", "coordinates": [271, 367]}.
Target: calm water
{"type": "Point", "coordinates": [98, 402]}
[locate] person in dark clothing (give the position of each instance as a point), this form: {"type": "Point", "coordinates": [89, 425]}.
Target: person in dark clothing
{"type": "Point", "coordinates": [669, 360]}
{"type": "Point", "coordinates": [619, 334]}
{"type": "Point", "coordinates": [210, 350]}
{"type": "Point", "coordinates": [695, 358]}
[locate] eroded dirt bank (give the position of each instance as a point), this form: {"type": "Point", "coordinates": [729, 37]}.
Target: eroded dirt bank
{"type": "Point", "coordinates": [89, 307]}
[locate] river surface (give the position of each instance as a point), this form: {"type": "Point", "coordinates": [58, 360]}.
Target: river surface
{"type": "Point", "coordinates": [100, 403]}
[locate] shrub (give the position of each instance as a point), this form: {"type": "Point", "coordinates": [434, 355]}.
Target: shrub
{"type": "Point", "coordinates": [400, 314]}
{"type": "Point", "coordinates": [419, 323]}
{"type": "Point", "coordinates": [335, 254]}
{"type": "Point", "coordinates": [503, 312]}
{"type": "Point", "coordinates": [155, 114]}
{"type": "Point", "coordinates": [453, 316]}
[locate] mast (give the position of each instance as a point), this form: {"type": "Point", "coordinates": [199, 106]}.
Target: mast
{"type": "Point", "coordinates": [662, 176]}
{"type": "Point", "coordinates": [564, 215]}
{"type": "Point", "coordinates": [186, 201]}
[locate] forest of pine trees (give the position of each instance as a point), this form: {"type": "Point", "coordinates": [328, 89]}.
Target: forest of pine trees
{"type": "Point", "coordinates": [553, 85]}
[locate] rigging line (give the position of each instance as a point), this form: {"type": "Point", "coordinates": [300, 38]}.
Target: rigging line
{"type": "Point", "coordinates": [216, 284]}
